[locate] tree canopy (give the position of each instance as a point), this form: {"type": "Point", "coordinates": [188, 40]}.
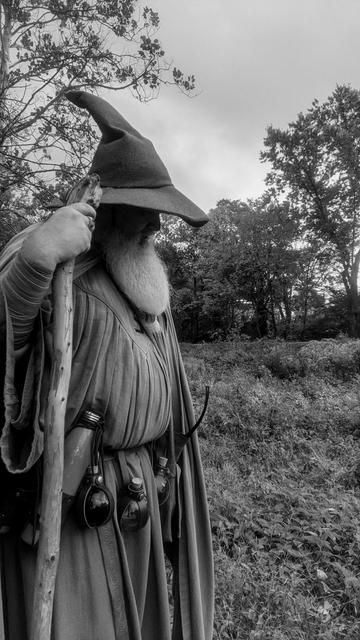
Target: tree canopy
{"type": "Point", "coordinates": [244, 272]}
{"type": "Point", "coordinates": [316, 162]}
{"type": "Point", "coordinates": [48, 48]}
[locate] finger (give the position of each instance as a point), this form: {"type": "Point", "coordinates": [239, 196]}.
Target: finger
{"type": "Point", "coordinates": [84, 208]}
{"type": "Point", "coordinates": [91, 223]}
{"type": "Point", "coordinates": [80, 207]}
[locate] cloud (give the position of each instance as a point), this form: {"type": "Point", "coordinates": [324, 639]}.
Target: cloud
{"type": "Point", "coordinates": [256, 63]}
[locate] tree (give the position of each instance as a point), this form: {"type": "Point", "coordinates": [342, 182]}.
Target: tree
{"type": "Point", "coordinates": [248, 271]}
{"type": "Point", "coordinates": [222, 275]}
{"type": "Point", "coordinates": [268, 266]}
{"type": "Point", "coordinates": [250, 266]}
{"type": "Point", "coordinates": [178, 245]}
{"type": "Point", "coordinates": [316, 162]}
{"type": "Point", "coordinates": [48, 48]}
{"type": "Point", "coordinates": [218, 253]}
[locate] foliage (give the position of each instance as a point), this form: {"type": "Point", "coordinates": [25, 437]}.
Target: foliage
{"type": "Point", "coordinates": [316, 162]}
{"type": "Point", "coordinates": [178, 246]}
{"type": "Point", "coordinates": [48, 48]}
{"type": "Point", "coordinates": [280, 447]}
{"type": "Point", "coordinates": [285, 264]}
{"type": "Point", "coordinates": [243, 272]}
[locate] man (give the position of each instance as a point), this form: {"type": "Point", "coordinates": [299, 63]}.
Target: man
{"type": "Point", "coordinates": [127, 369]}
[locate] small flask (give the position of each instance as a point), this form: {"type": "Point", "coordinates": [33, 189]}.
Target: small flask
{"type": "Point", "coordinates": [94, 503]}
{"type": "Point", "coordinates": [77, 457]}
{"type": "Point", "coordinates": [133, 512]}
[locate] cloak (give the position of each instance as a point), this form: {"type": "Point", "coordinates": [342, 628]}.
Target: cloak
{"type": "Point", "coordinates": [110, 584]}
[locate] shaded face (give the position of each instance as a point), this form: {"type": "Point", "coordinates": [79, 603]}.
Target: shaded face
{"type": "Point", "coordinates": [130, 221]}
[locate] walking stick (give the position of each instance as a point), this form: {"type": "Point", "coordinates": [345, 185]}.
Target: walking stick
{"type": "Point", "coordinates": [50, 520]}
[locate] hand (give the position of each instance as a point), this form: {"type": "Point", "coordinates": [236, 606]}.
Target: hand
{"type": "Point", "coordinates": [65, 235]}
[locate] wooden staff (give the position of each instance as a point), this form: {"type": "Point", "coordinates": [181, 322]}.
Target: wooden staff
{"type": "Point", "coordinates": [50, 520]}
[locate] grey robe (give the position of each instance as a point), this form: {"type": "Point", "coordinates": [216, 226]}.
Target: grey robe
{"type": "Point", "coordinates": [111, 585]}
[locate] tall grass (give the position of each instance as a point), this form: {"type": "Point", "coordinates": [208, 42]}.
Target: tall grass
{"type": "Point", "coordinates": [281, 453]}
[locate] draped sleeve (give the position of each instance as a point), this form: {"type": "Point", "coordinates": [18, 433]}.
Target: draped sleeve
{"type": "Point", "coordinates": [24, 371]}
{"type": "Point", "coordinates": [21, 441]}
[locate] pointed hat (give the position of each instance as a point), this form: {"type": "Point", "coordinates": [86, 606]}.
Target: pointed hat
{"type": "Point", "coordinates": [130, 170]}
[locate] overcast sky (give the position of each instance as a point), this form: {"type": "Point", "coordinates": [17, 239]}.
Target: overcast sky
{"type": "Point", "coordinates": [256, 62]}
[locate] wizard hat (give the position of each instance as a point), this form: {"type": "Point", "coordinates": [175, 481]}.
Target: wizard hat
{"type": "Point", "coordinates": [130, 170]}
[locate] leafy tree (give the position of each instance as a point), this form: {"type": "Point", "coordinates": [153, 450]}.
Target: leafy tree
{"type": "Point", "coordinates": [178, 246]}
{"type": "Point", "coordinates": [310, 287]}
{"type": "Point", "coordinates": [316, 162]}
{"type": "Point", "coordinates": [246, 271]}
{"type": "Point", "coordinates": [48, 48]}
{"type": "Point", "coordinates": [218, 251]}
{"type": "Point", "coordinates": [223, 276]}
{"type": "Point", "coordinates": [250, 266]}
{"type": "Point", "coordinates": [269, 266]}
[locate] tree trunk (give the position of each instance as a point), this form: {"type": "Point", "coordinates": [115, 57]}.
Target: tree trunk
{"type": "Point", "coordinates": [354, 302]}
{"type": "Point", "coordinates": [287, 307]}
{"type": "Point", "coordinates": [261, 319]}
{"type": "Point", "coordinates": [272, 311]}
{"type": "Point", "coordinates": [306, 303]}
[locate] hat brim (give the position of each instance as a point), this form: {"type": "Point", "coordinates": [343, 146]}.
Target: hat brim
{"type": "Point", "coordinates": [162, 199]}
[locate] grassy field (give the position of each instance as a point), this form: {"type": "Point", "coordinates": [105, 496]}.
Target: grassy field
{"type": "Point", "coordinates": [281, 452]}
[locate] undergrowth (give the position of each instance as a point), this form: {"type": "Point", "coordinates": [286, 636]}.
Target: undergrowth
{"type": "Point", "coordinates": [281, 452]}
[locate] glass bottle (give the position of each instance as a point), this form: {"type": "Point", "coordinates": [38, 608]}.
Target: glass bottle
{"type": "Point", "coordinates": [77, 457]}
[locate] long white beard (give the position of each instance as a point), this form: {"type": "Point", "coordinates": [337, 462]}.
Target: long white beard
{"type": "Point", "coordinates": [138, 272]}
